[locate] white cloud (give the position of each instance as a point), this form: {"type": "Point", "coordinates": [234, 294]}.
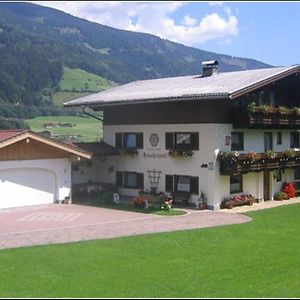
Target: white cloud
{"type": "Point", "coordinates": [155, 18]}
{"type": "Point", "coordinates": [188, 21]}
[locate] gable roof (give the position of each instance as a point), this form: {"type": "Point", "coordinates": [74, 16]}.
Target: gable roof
{"type": "Point", "coordinates": [9, 137]}
{"type": "Point", "coordinates": [219, 86]}
{"type": "Point", "coordinates": [6, 134]}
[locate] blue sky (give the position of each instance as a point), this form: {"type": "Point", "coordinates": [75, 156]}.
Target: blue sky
{"type": "Point", "coordinates": [266, 31]}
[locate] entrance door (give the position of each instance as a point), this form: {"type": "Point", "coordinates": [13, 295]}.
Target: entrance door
{"type": "Point", "coordinates": [267, 185]}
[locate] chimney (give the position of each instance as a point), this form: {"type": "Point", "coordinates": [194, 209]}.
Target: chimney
{"type": "Point", "coordinates": [209, 68]}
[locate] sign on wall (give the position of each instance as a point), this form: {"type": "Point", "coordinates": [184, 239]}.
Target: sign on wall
{"type": "Point", "coordinates": [154, 139]}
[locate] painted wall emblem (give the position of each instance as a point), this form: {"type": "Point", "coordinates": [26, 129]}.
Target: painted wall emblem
{"type": "Point", "coordinates": [154, 139]}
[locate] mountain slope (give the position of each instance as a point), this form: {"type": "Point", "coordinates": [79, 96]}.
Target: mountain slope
{"type": "Point", "coordinates": [37, 43]}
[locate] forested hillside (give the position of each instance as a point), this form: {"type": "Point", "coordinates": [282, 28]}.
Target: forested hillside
{"type": "Point", "coordinates": [38, 45]}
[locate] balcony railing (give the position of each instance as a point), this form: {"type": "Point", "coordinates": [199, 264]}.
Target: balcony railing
{"type": "Point", "coordinates": [245, 163]}
{"type": "Point", "coordinates": [266, 117]}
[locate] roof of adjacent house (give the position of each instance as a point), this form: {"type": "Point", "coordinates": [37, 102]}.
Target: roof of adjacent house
{"type": "Point", "coordinates": [218, 86]}
{"type": "Point", "coordinates": [8, 137]}
{"type": "Point", "coordinates": [6, 134]}
{"type": "Point", "coordinates": [99, 148]}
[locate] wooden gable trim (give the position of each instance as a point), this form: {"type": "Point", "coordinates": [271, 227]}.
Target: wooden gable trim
{"type": "Point", "coordinates": [264, 82]}
{"type": "Point", "coordinates": [56, 144]}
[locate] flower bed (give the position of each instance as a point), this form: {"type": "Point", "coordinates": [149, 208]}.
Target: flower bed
{"type": "Point", "coordinates": [181, 153]}
{"type": "Point", "coordinates": [238, 200]}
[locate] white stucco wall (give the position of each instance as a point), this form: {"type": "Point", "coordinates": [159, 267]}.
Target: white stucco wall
{"type": "Point", "coordinates": [61, 168]}
{"type": "Point", "coordinates": [102, 170]}
{"type": "Point", "coordinates": [211, 138]}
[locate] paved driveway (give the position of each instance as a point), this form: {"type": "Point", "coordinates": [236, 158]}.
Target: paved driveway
{"type": "Point", "coordinates": [59, 223]}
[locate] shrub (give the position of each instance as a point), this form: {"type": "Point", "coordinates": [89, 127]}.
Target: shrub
{"type": "Point", "coordinates": [181, 153]}
{"type": "Point", "coordinates": [289, 153]}
{"type": "Point", "coordinates": [251, 107]}
{"type": "Point", "coordinates": [237, 200]}
{"type": "Point", "coordinates": [281, 196]}
{"type": "Point", "coordinates": [290, 189]}
{"type": "Point", "coordinates": [282, 110]}
{"type": "Point", "coordinates": [167, 205]}
{"type": "Point", "coordinates": [233, 155]}
{"type": "Point", "coordinates": [140, 202]}
{"type": "Point", "coordinates": [107, 197]}
{"type": "Point", "coordinates": [297, 110]}
{"type": "Point", "coordinates": [253, 156]}
{"type": "Point", "coordinates": [271, 154]}
{"type": "Point", "coordinates": [265, 109]}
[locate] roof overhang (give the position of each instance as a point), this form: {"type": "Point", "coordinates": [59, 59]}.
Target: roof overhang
{"type": "Point", "coordinates": [100, 104]}
{"type": "Point", "coordinates": [233, 94]}
{"type": "Point", "coordinates": [264, 82]}
{"type": "Point", "coordinates": [73, 150]}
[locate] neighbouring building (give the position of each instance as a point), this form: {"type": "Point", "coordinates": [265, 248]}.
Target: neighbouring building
{"type": "Point", "coordinates": [35, 169]}
{"type": "Point", "coordinates": [220, 134]}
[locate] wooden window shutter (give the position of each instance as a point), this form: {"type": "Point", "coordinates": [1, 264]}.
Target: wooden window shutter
{"type": "Point", "coordinates": [119, 179]}
{"type": "Point", "coordinates": [169, 140]}
{"type": "Point", "coordinates": [119, 140]}
{"type": "Point", "coordinates": [140, 181]}
{"type": "Point", "coordinates": [169, 183]}
{"type": "Point", "coordinates": [139, 141]}
{"type": "Point", "coordinates": [195, 140]}
{"type": "Point", "coordinates": [194, 184]}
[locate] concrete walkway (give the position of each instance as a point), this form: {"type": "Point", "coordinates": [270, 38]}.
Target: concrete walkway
{"type": "Point", "coordinates": [262, 205]}
{"type": "Point", "coordinates": [59, 223]}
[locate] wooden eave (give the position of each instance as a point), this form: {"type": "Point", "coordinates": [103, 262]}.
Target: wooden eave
{"type": "Point", "coordinates": [50, 142]}
{"type": "Point", "coordinates": [261, 83]}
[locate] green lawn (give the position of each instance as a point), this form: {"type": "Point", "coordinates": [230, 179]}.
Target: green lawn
{"type": "Point", "coordinates": [255, 260]}
{"type": "Point", "coordinates": [83, 128]}
{"type": "Point", "coordinates": [78, 80]}
{"type": "Point", "coordinates": [60, 98]}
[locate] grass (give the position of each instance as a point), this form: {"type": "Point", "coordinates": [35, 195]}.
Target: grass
{"type": "Point", "coordinates": [172, 212]}
{"type": "Point", "coordinates": [84, 128]}
{"type": "Point", "coordinates": [78, 80]}
{"type": "Point", "coordinates": [60, 98]}
{"type": "Point", "coordinates": [259, 259]}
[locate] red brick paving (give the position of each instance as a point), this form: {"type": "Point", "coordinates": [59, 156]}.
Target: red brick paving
{"type": "Point", "coordinates": [59, 223]}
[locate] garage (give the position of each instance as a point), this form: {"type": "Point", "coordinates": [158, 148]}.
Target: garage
{"type": "Point", "coordinates": [35, 169]}
{"type": "Point", "coordinates": [22, 187]}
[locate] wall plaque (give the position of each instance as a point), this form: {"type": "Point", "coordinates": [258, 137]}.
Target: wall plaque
{"type": "Point", "coordinates": [154, 139]}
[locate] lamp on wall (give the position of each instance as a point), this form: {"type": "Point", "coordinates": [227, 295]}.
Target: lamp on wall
{"type": "Point", "coordinates": [27, 141]}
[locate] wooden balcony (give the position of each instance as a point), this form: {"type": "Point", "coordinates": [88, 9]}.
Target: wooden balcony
{"type": "Point", "coordinates": [243, 165]}
{"type": "Point", "coordinates": [272, 119]}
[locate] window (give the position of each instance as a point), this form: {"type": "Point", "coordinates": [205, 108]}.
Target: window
{"type": "Point", "coordinates": [182, 140]}
{"type": "Point", "coordinates": [279, 175]}
{"type": "Point", "coordinates": [237, 141]}
{"type": "Point", "coordinates": [294, 139]}
{"type": "Point", "coordinates": [279, 138]}
{"type": "Point", "coordinates": [268, 141]}
{"type": "Point", "coordinates": [130, 180]}
{"type": "Point", "coordinates": [181, 183]}
{"type": "Point", "coordinates": [129, 140]}
{"type": "Point", "coordinates": [236, 184]}
{"type": "Point", "coordinates": [297, 174]}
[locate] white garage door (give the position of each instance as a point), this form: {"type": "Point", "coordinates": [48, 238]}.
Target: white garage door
{"type": "Point", "coordinates": [23, 187]}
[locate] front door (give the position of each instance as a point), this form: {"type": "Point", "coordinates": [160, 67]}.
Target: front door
{"type": "Point", "coordinates": [267, 185]}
